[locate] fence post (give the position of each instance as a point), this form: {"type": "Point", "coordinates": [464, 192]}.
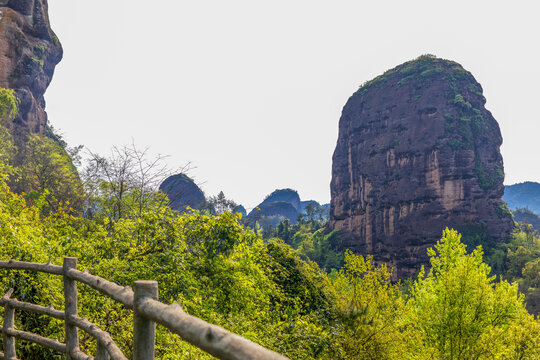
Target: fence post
{"type": "Point", "coordinates": [9, 323]}
{"type": "Point", "coordinates": [101, 352]}
{"type": "Point", "coordinates": [70, 300]}
{"type": "Point", "coordinates": [144, 331]}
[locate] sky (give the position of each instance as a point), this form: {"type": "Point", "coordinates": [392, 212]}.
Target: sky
{"type": "Point", "coordinates": [250, 92]}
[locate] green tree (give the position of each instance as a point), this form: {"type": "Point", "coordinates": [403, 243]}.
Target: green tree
{"type": "Point", "coordinates": [126, 183]}
{"type": "Point", "coordinates": [458, 311]}
{"type": "Point", "coordinates": [220, 204]}
{"type": "Point", "coordinates": [370, 306]}
{"type": "Point", "coordinates": [47, 175]}
{"type": "Point", "coordinates": [9, 108]}
{"type": "Point", "coordinates": [9, 103]}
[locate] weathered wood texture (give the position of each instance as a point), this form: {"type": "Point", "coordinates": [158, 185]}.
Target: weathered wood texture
{"type": "Point", "coordinates": [23, 265]}
{"type": "Point", "coordinates": [71, 309]}
{"type": "Point", "coordinates": [40, 340]}
{"type": "Point", "coordinates": [122, 294]}
{"type": "Point", "coordinates": [49, 311]}
{"type": "Point", "coordinates": [144, 329]}
{"type": "Point", "coordinates": [147, 311]}
{"type": "Point", "coordinates": [9, 324]}
{"type": "Point", "coordinates": [211, 338]}
{"type": "Point", "coordinates": [102, 337]}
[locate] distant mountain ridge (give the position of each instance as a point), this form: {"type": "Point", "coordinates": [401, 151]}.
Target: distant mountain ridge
{"type": "Point", "coordinates": [279, 205]}
{"type": "Point", "coordinates": [523, 195]}
{"type": "Point", "coordinates": [526, 216]}
{"type": "Point", "coordinates": [183, 192]}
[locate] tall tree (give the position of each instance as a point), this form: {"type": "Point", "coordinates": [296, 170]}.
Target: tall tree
{"type": "Point", "coordinates": [458, 311]}
{"type": "Point", "coordinates": [221, 204]}
{"type": "Point", "coordinates": [47, 175]}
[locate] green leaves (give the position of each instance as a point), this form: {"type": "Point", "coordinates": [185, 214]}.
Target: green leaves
{"type": "Point", "coordinates": [9, 103]}
{"type": "Point", "coordinates": [458, 310]}
{"type": "Point", "coordinates": [224, 273]}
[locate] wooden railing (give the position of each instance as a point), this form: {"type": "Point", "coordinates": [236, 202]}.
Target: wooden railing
{"type": "Point", "coordinates": [147, 312]}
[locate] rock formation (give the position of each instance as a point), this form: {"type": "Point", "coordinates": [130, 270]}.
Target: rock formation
{"type": "Point", "coordinates": [284, 204]}
{"type": "Point", "coordinates": [241, 210]}
{"type": "Point", "coordinates": [286, 195]}
{"type": "Point", "coordinates": [417, 152]}
{"type": "Point", "coordinates": [272, 213]}
{"type": "Point", "coordinates": [183, 192]}
{"type": "Point", "coordinates": [29, 52]}
{"type": "Point", "coordinates": [523, 195]}
{"type": "Point", "coordinates": [526, 216]}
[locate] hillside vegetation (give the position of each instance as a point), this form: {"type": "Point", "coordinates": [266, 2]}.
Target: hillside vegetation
{"type": "Point", "coordinates": [267, 290]}
{"type": "Point", "coordinates": [226, 274]}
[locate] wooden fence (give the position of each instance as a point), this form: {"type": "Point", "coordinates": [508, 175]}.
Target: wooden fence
{"type": "Point", "coordinates": [147, 312]}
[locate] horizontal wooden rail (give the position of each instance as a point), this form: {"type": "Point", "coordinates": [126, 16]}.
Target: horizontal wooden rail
{"type": "Point", "coordinates": [49, 311]}
{"type": "Point", "coordinates": [40, 340]}
{"type": "Point", "coordinates": [101, 337]}
{"type": "Point", "coordinates": [23, 265]}
{"type": "Point", "coordinates": [211, 338]}
{"type": "Point", "coordinates": [122, 294]}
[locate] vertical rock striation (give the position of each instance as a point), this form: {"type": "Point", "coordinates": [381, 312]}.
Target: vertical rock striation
{"type": "Point", "coordinates": [417, 151]}
{"type": "Point", "coordinates": [29, 52]}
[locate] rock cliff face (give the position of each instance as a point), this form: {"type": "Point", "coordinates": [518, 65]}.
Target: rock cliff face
{"type": "Point", "coordinates": [29, 52]}
{"type": "Point", "coordinates": [417, 152]}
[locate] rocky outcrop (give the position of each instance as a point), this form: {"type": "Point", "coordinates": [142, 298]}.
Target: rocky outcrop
{"type": "Point", "coordinates": [285, 195]}
{"type": "Point", "coordinates": [284, 204]}
{"type": "Point", "coordinates": [523, 195]}
{"type": "Point", "coordinates": [29, 52]}
{"type": "Point", "coordinates": [272, 213]}
{"type": "Point", "coordinates": [417, 151]}
{"type": "Point", "coordinates": [240, 209]}
{"type": "Point", "coordinates": [183, 193]}
{"type": "Point", "coordinates": [526, 216]}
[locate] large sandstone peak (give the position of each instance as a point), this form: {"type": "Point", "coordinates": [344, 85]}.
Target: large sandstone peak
{"type": "Point", "coordinates": [29, 52]}
{"type": "Point", "coordinates": [417, 151]}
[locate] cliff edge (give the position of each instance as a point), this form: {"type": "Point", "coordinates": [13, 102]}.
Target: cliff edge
{"type": "Point", "coordinates": [29, 53]}
{"type": "Point", "coordinates": [417, 151]}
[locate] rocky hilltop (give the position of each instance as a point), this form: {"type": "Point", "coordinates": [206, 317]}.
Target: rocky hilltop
{"type": "Point", "coordinates": [523, 195]}
{"type": "Point", "coordinates": [283, 204]}
{"type": "Point", "coordinates": [417, 151]}
{"type": "Point", "coordinates": [29, 52]}
{"type": "Point", "coordinates": [183, 193]}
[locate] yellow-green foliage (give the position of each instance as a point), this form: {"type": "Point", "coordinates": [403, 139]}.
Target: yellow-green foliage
{"type": "Point", "coordinates": [226, 274]}
{"type": "Point", "coordinates": [458, 311]}
{"type": "Point", "coordinates": [213, 266]}
{"type": "Point", "coordinates": [9, 103]}
{"type": "Point", "coordinates": [47, 175]}
{"type": "Point", "coordinates": [369, 305]}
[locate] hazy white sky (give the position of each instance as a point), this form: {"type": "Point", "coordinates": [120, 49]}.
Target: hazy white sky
{"type": "Point", "coordinates": [251, 91]}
